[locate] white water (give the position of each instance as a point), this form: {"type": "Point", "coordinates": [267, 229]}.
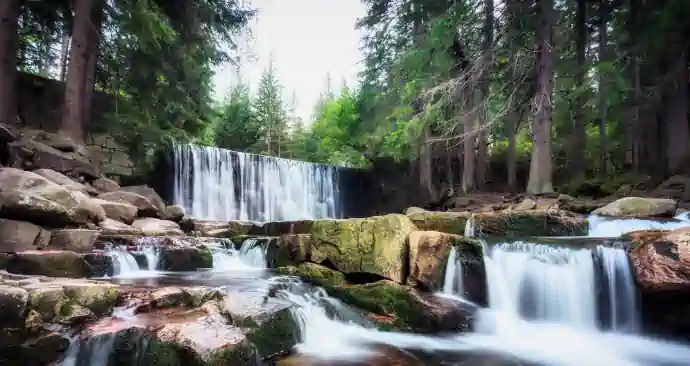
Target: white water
{"type": "Point", "coordinates": [124, 262]}
{"type": "Point", "coordinates": [218, 184]}
{"type": "Point", "coordinates": [250, 256]}
{"type": "Point", "coordinates": [604, 227]}
{"type": "Point", "coordinates": [453, 276]}
{"type": "Point", "coordinates": [152, 256]}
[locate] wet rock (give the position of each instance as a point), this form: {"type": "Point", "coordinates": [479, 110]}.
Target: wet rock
{"type": "Point", "coordinates": [71, 301]}
{"type": "Point", "coordinates": [154, 227]}
{"type": "Point", "coordinates": [268, 324]}
{"type": "Point", "coordinates": [661, 266]}
{"type": "Point", "coordinates": [526, 204]}
{"type": "Point", "coordinates": [32, 153]}
{"type": "Point", "coordinates": [289, 249]}
{"type": "Point", "coordinates": [50, 263]}
{"type": "Point", "coordinates": [113, 227]}
{"type": "Point", "coordinates": [278, 228]}
{"type": "Point", "coordinates": [17, 236]}
{"type": "Point", "coordinates": [28, 196]}
{"type": "Point", "coordinates": [372, 245]}
{"type": "Point", "coordinates": [168, 297]}
{"type": "Point", "coordinates": [429, 251]}
{"type": "Point", "coordinates": [211, 338]}
{"type": "Point", "coordinates": [105, 185]}
{"type": "Point", "coordinates": [45, 349]}
{"type": "Point", "coordinates": [101, 264]}
{"type": "Point", "coordinates": [446, 222]}
{"type": "Point", "coordinates": [13, 305]}
{"type": "Point", "coordinates": [531, 223]}
{"type": "Point", "coordinates": [150, 195]}
{"type": "Point", "coordinates": [120, 211]}
{"type": "Point", "coordinates": [144, 207]}
{"type": "Point", "coordinates": [411, 310]}
{"type": "Point", "coordinates": [378, 355]}
{"type": "Point", "coordinates": [62, 180]}
{"type": "Point", "coordinates": [411, 210]}
{"type": "Point", "coordinates": [215, 229]}
{"type": "Point", "coordinates": [639, 207]}
{"type": "Point", "coordinates": [186, 258]}
{"type": "Point", "coordinates": [174, 213]}
{"type": "Point", "coordinates": [314, 273]}
{"type": "Point", "coordinates": [75, 240]}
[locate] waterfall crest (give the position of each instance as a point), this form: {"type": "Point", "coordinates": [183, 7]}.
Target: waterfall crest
{"type": "Point", "coordinates": [219, 184]}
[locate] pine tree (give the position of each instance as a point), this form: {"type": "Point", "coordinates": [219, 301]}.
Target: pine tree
{"type": "Point", "coordinates": [271, 114]}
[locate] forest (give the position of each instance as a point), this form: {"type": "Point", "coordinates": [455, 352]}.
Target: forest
{"type": "Point", "coordinates": [536, 95]}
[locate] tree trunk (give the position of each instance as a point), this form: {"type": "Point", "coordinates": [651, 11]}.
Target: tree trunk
{"type": "Point", "coordinates": [425, 175]}
{"type": "Point", "coordinates": [632, 131]}
{"type": "Point", "coordinates": [9, 15]}
{"type": "Point", "coordinates": [540, 173]}
{"type": "Point", "coordinates": [73, 111]}
{"type": "Point", "coordinates": [678, 134]}
{"type": "Point", "coordinates": [603, 87]}
{"type": "Point", "coordinates": [513, 117]}
{"type": "Point", "coordinates": [64, 48]}
{"type": "Point", "coordinates": [90, 80]}
{"type": "Point", "coordinates": [487, 59]}
{"type": "Point", "coordinates": [579, 137]}
{"type": "Point", "coordinates": [469, 143]}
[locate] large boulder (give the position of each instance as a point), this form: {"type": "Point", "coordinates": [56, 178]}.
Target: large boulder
{"type": "Point", "coordinates": [28, 196]}
{"type": "Point", "coordinates": [50, 263]}
{"type": "Point", "coordinates": [35, 152]}
{"type": "Point", "coordinates": [144, 206]}
{"type": "Point", "coordinates": [154, 227]}
{"type": "Point", "coordinates": [376, 245]}
{"type": "Point", "coordinates": [443, 221]}
{"type": "Point", "coordinates": [150, 195]}
{"type": "Point", "coordinates": [530, 223]}
{"type": "Point", "coordinates": [186, 258]}
{"type": "Point", "coordinates": [113, 227]}
{"type": "Point", "coordinates": [661, 267]}
{"type": "Point", "coordinates": [105, 185]}
{"type": "Point", "coordinates": [17, 236]}
{"type": "Point", "coordinates": [69, 301]}
{"type": "Point", "coordinates": [174, 213]}
{"type": "Point", "coordinates": [75, 240]}
{"type": "Point", "coordinates": [117, 210]}
{"type": "Point", "coordinates": [639, 207]}
{"type": "Point", "coordinates": [63, 180]}
{"type": "Point", "coordinates": [408, 308]}
{"type": "Point", "coordinates": [215, 228]}
{"type": "Point", "coordinates": [13, 305]}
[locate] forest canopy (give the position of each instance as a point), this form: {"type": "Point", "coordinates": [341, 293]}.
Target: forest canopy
{"type": "Point", "coordinates": [474, 94]}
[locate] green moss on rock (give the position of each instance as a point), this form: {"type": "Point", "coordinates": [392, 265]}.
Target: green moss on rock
{"type": "Point", "coordinates": [314, 273]}
{"type": "Point", "coordinates": [443, 221]}
{"type": "Point", "coordinates": [372, 245]}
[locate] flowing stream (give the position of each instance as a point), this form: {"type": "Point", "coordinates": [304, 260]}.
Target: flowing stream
{"type": "Point", "coordinates": [550, 303]}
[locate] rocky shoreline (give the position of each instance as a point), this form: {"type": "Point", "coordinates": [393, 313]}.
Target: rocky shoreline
{"type": "Point", "coordinates": [54, 229]}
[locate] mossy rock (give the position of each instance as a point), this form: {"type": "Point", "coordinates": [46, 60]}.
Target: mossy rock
{"type": "Point", "coordinates": [374, 245]}
{"type": "Point", "coordinates": [531, 223]}
{"type": "Point", "coordinates": [186, 258]}
{"type": "Point", "coordinates": [443, 221]}
{"type": "Point", "coordinates": [51, 264]}
{"type": "Point", "coordinates": [314, 273]}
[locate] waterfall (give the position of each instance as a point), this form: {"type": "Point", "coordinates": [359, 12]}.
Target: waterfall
{"type": "Point", "coordinates": [218, 184]}
{"type": "Point", "coordinates": [123, 261]}
{"type": "Point", "coordinates": [152, 255]}
{"type": "Point", "coordinates": [453, 276]}
{"type": "Point", "coordinates": [559, 284]}
{"type": "Point", "coordinates": [250, 256]}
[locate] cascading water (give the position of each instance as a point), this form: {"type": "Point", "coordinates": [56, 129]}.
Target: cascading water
{"type": "Point", "coordinates": [124, 263]}
{"type": "Point", "coordinates": [453, 276]}
{"type": "Point", "coordinates": [220, 184]}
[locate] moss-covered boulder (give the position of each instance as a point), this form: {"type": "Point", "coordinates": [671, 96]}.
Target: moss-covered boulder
{"type": "Point", "coordinates": [443, 221]}
{"type": "Point", "coordinates": [289, 249]}
{"type": "Point", "coordinates": [314, 273]}
{"type": "Point", "coordinates": [530, 223]}
{"type": "Point", "coordinates": [68, 302]}
{"type": "Point", "coordinates": [411, 309]}
{"type": "Point", "coordinates": [50, 263]}
{"type": "Point", "coordinates": [376, 245]}
{"type": "Point", "coordinates": [269, 325]}
{"type": "Point", "coordinates": [13, 305]}
{"type": "Point", "coordinates": [639, 207]}
{"type": "Point", "coordinates": [186, 258]}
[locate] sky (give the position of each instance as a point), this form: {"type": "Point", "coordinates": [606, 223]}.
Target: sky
{"type": "Point", "coordinates": [307, 40]}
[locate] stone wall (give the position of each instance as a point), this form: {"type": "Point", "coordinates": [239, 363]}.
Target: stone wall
{"type": "Point", "coordinates": [39, 108]}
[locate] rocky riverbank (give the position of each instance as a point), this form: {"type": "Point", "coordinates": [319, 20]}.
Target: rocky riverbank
{"type": "Point", "coordinates": [56, 230]}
